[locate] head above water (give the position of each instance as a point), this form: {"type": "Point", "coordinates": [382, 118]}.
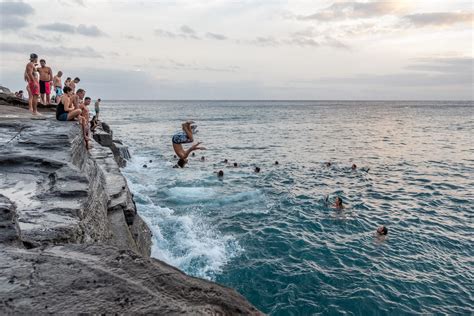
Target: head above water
{"type": "Point", "coordinates": [382, 230]}
{"type": "Point", "coordinates": [182, 162]}
{"type": "Point", "coordinates": [338, 202]}
{"type": "Point", "coordinates": [203, 158]}
{"type": "Point", "coordinates": [220, 173]}
{"type": "Point", "coordinates": [328, 164]}
{"type": "Point", "coordinates": [257, 169]}
{"type": "Point", "coordinates": [236, 164]}
{"type": "Point", "coordinates": [354, 166]}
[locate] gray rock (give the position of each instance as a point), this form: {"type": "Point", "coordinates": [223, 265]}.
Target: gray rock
{"type": "Point", "coordinates": [71, 240]}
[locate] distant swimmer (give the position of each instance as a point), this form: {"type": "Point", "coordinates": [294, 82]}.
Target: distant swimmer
{"type": "Point", "coordinates": [338, 203]}
{"type": "Point", "coordinates": [382, 231]}
{"type": "Point", "coordinates": [220, 174]}
{"type": "Point", "coordinates": [257, 169]}
{"type": "Point", "coordinates": [276, 162]}
{"type": "Point", "coordinates": [328, 164]}
{"type": "Point", "coordinates": [236, 164]}
{"type": "Point", "coordinates": [203, 158]}
{"type": "Point", "coordinates": [226, 161]}
{"type": "Point", "coordinates": [184, 137]}
{"type": "Point", "coordinates": [354, 166]}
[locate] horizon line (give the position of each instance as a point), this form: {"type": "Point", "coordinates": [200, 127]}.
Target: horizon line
{"type": "Point", "coordinates": [297, 100]}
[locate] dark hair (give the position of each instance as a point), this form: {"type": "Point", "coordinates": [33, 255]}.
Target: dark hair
{"type": "Point", "coordinates": [384, 231]}
{"type": "Point", "coordinates": [257, 169]}
{"type": "Point", "coordinates": [220, 173]}
{"type": "Point", "coordinates": [340, 199]}
{"type": "Point", "coordinates": [33, 56]}
{"type": "Point", "coordinates": [181, 163]}
{"type": "Point", "coordinates": [235, 164]}
{"type": "Point", "coordinates": [68, 78]}
{"type": "Point", "coordinates": [67, 89]}
{"type": "Point", "coordinates": [42, 60]}
{"type": "Point", "coordinates": [77, 78]}
{"type": "Point", "coordinates": [21, 91]}
{"type": "Point", "coordinates": [99, 99]}
{"type": "Point", "coordinates": [80, 90]}
{"type": "Point", "coordinates": [276, 162]}
{"type": "Point", "coordinates": [87, 98]}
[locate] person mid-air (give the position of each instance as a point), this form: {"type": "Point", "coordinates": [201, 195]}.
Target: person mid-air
{"type": "Point", "coordinates": [185, 136]}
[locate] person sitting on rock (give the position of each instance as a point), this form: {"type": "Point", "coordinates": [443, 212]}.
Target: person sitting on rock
{"type": "Point", "coordinates": [184, 137]}
{"type": "Point", "coordinates": [65, 111]}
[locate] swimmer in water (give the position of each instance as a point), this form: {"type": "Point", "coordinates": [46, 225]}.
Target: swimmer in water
{"type": "Point", "coordinates": [338, 203]}
{"type": "Point", "coordinates": [184, 137]}
{"type": "Point", "coordinates": [354, 166]}
{"type": "Point", "coordinates": [382, 231]}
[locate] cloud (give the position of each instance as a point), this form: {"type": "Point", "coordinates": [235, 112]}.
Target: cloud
{"type": "Point", "coordinates": [216, 36]}
{"type": "Point", "coordinates": [13, 15]}
{"type": "Point", "coordinates": [91, 31]}
{"type": "Point", "coordinates": [132, 37]}
{"type": "Point", "coordinates": [172, 64]}
{"type": "Point", "coordinates": [356, 10]}
{"type": "Point", "coordinates": [16, 8]}
{"type": "Point", "coordinates": [58, 27]}
{"type": "Point", "coordinates": [183, 32]}
{"type": "Point", "coordinates": [439, 18]}
{"type": "Point", "coordinates": [427, 72]}
{"type": "Point", "coordinates": [85, 52]}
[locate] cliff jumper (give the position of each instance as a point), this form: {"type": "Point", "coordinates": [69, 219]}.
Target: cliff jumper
{"type": "Point", "coordinates": [185, 136]}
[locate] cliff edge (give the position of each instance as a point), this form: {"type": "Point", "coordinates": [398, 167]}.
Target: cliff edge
{"type": "Point", "coordinates": [70, 237]}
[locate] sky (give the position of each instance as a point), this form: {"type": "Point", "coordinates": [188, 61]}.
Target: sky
{"type": "Point", "coordinates": [286, 50]}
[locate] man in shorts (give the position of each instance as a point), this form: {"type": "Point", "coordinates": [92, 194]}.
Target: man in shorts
{"type": "Point", "coordinates": [97, 108]}
{"type": "Point", "coordinates": [184, 137]}
{"type": "Point", "coordinates": [46, 77]}
{"type": "Point", "coordinates": [33, 85]}
{"type": "Point", "coordinates": [58, 86]}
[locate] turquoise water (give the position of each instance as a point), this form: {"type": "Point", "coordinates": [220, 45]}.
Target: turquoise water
{"type": "Point", "coordinates": [272, 237]}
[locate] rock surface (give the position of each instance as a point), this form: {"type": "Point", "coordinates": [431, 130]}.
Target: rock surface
{"type": "Point", "coordinates": [71, 240]}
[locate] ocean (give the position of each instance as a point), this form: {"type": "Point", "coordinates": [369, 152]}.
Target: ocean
{"type": "Point", "coordinates": [274, 238]}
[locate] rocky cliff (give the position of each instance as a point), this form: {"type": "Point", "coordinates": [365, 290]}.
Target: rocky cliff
{"type": "Point", "coordinates": [70, 237]}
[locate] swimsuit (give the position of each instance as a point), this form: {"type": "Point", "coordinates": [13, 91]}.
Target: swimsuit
{"type": "Point", "coordinates": [59, 91]}
{"type": "Point", "coordinates": [181, 138]}
{"type": "Point", "coordinates": [34, 87]}
{"type": "Point", "coordinates": [61, 115]}
{"type": "Point", "coordinates": [45, 87]}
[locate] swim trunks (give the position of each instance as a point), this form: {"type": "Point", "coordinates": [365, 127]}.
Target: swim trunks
{"type": "Point", "coordinates": [62, 117]}
{"type": "Point", "coordinates": [45, 87]}
{"type": "Point", "coordinates": [34, 87]}
{"type": "Point", "coordinates": [58, 91]}
{"type": "Point", "coordinates": [181, 138]}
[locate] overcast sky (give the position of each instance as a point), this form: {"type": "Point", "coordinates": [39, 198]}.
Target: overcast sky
{"type": "Point", "coordinates": [420, 49]}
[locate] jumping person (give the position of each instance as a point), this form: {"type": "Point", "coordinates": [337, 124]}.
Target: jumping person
{"type": "Point", "coordinates": [184, 137]}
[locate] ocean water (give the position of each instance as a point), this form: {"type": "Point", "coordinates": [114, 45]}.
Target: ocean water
{"type": "Point", "coordinates": [272, 236]}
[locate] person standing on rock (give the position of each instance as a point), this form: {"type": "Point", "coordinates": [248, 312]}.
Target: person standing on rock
{"type": "Point", "coordinates": [96, 108]}
{"type": "Point", "coordinates": [46, 78]}
{"type": "Point", "coordinates": [73, 83]}
{"type": "Point", "coordinates": [33, 85]}
{"type": "Point", "coordinates": [58, 86]}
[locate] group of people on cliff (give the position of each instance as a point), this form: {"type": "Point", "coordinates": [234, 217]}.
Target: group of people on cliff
{"type": "Point", "coordinates": [71, 104]}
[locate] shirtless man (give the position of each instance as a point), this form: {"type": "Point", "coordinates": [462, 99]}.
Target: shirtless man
{"type": "Point", "coordinates": [58, 86]}
{"type": "Point", "coordinates": [33, 85]}
{"type": "Point", "coordinates": [73, 83]}
{"type": "Point", "coordinates": [78, 97]}
{"type": "Point", "coordinates": [183, 137]}
{"type": "Point", "coordinates": [84, 120]}
{"type": "Point", "coordinates": [46, 77]}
